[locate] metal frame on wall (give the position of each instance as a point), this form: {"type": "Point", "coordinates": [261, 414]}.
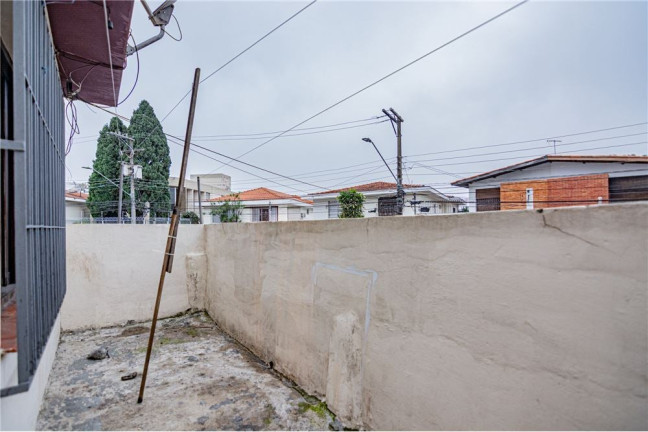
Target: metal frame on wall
{"type": "Point", "coordinates": [39, 186]}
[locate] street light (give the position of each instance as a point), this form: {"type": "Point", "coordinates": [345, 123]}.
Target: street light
{"type": "Point", "coordinates": [399, 185]}
{"type": "Point", "coordinates": [121, 190]}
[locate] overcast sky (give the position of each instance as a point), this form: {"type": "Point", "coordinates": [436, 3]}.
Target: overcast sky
{"type": "Point", "coordinates": [545, 69]}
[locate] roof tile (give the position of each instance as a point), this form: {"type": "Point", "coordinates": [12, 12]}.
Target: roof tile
{"type": "Point", "coordinates": [259, 194]}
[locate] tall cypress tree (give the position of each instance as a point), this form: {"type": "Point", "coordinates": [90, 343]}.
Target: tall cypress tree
{"type": "Point", "coordinates": [103, 195]}
{"type": "Point", "coordinates": [153, 156]}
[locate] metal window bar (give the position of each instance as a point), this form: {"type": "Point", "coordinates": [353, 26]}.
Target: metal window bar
{"type": "Point", "coordinates": [39, 187]}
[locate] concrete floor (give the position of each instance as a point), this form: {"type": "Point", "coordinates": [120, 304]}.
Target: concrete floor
{"type": "Point", "coordinates": [199, 379]}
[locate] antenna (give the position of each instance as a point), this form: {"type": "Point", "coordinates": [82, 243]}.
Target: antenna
{"type": "Point", "coordinates": [160, 17]}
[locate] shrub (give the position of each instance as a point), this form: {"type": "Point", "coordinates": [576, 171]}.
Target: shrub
{"type": "Point", "coordinates": [351, 204]}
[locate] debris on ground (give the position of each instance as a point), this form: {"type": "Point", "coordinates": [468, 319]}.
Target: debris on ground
{"type": "Point", "coordinates": [99, 354]}
{"type": "Point", "coordinates": [130, 376]}
{"type": "Point", "coordinates": [199, 378]}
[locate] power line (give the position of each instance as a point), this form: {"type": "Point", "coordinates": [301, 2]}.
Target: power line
{"type": "Point", "coordinates": [247, 172]}
{"type": "Point", "coordinates": [529, 148]}
{"type": "Point", "coordinates": [174, 138]}
{"type": "Point", "coordinates": [530, 140]}
{"type": "Point", "coordinates": [301, 129]}
{"type": "Point", "coordinates": [466, 33]}
{"type": "Point", "coordinates": [224, 65]}
{"type": "Point", "coordinates": [292, 135]}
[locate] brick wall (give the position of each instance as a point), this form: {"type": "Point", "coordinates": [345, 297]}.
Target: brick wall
{"type": "Point", "coordinates": [557, 192]}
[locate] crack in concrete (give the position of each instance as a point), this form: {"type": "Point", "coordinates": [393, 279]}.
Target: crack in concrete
{"type": "Point", "coordinates": [548, 225]}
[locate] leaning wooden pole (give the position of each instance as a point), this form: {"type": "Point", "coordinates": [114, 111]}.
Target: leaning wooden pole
{"type": "Point", "coordinates": [167, 262]}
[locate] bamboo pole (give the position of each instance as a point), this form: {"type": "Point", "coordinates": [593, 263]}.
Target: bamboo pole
{"type": "Point", "coordinates": [167, 262]}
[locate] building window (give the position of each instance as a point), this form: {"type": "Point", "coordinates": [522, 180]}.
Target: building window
{"type": "Point", "coordinates": [634, 188]}
{"type": "Point", "coordinates": [333, 209]}
{"type": "Point", "coordinates": [265, 214]}
{"type": "Point", "coordinates": [172, 194]}
{"type": "Point", "coordinates": [488, 199]}
{"type": "Point", "coordinates": [529, 198]}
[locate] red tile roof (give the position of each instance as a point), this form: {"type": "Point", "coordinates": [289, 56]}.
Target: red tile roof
{"type": "Point", "coordinates": [551, 158]}
{"type": "Point", "coordinates": [76, 195]}
{"type": "Point", "coordinates": [370, 187]}
{"type": "Point", "coordinates": [259, 194]}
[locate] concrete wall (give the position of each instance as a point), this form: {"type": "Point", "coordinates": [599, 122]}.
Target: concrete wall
{"type": "Point", "coordinates": [20, 411]}
{"type": "Point", "coordinates": [501, 320]}
{"type": "Point", "coordinates": [113, 273]}
{"type": "Point", "coordinates": [508, 320]}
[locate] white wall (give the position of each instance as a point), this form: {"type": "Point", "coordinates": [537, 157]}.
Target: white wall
{"type": "Point", "coordinates": [113, 273]}
{"type": "Point", "coordinates": [20, 411]}
{"type": "Point", "coordinates": [500, 320]}
{"type": "Point", "coordinates": [75, 211]}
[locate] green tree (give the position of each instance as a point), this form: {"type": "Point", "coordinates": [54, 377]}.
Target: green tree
{"type": "Point", "coordinates": [153, 156]}
{"type": "Point", "coordinates": [351, 204]}
{"type": "Point", "coordinates": [103, 195]}
{"type": "Point", "coordinates": [193, 217]}
{"type": "Point", "coordinates": [228, 211]}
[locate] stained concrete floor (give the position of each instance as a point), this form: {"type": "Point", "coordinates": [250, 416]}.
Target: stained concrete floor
{"type": "Point", "coordinates": [199, 379]}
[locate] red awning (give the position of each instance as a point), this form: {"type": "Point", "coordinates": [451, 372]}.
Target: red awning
{"type": "Point", "coordinates": [81, 45]}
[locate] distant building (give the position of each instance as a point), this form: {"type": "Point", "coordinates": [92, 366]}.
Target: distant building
{"type": "Point", "coordinates": [76, 209]}
{"type": "Point", "coordinates": [211, 186]}
{"type": "Point", "coordinates": [380, 200]}
{"type": "Point", "coordinates": [266, 205]}
{"type": "Point", "coordinates": [559, 180]}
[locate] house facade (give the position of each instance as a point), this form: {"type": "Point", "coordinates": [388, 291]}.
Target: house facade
{"type": "Point", "coordinates": [76, 209]}
{"type": "Point", "coordinates": [263, 205]}
{"type": "Point", "coordinates": [380, 200]}
{"type": "Point", "coordinates": [558, 181]}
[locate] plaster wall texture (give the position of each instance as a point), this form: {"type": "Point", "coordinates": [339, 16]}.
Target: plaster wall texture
{"type": "Point", "coordinates": [503, 320]}
{"type": "Point", "coordinates": [498, 320]}
{"type": "Point", "coordinates": [113, 273]}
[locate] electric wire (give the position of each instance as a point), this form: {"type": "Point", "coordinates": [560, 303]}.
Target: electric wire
{"type": "Point", "coordinates": [179, 30]}
{"type": "Point", "coordinates": [300, 129]}
{"type": "Point", "coordinates": [136, 75]}
{"type": "Point", "coordinates": [531, 140]}
{"type": "Point", "coordinates": [466, 33]}
{"type": "Point", "coordinates": [224, 65]}
{"type": "Point", "coordinates": [112, 74]}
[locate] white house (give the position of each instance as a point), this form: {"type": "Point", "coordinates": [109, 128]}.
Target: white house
{"type": "Point", "coordinates": [75, 206]}
{"type": "Point", "coordinates": [380, 200]}
{"type": "Point", "coordinates": [264, 205]}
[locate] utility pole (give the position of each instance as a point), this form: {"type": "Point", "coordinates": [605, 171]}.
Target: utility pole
{"type": "Point", "coordinates": [121, 192]}
{"type": "Point", "coordinates": [554, 141]}
{"type": "Point", "coordinates": [132, 186]}
{"type": "Point", "coordinates": [132, 171]}
{"type": "Point", "coordinates": [400, 193]}
{"type": "Point", "coordinates": [199, 201]}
